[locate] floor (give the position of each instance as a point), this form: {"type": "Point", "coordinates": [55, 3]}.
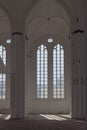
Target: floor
{"type": "Point", "coordinates": [41, 122]}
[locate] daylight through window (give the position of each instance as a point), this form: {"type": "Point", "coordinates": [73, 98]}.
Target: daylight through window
{"type": "Point", "coordinates": [3, 55]}
{"type": "Point", "coordinates": [42, 72]}
{"type": "Point", "coordinates": [2, 76]}
{"type": "Point", "coordinates": [2, 86]}
{"type": "Point", "coordinates": [58, 71]}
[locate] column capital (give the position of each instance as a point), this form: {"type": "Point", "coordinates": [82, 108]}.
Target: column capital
{"type": "Point", "coordinates": [19, 34]}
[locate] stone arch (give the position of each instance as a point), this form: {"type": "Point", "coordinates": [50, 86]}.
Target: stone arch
{"type": "Point", "coordinates": [6, 11]}
{"type": "Point", "coordinates": [45, 20]}
{"type": "Point", "coordinates": [68, 9]}
{"type": "Point", "coordinates": [6, 20]}
{"type": "Point", "coordinates": [35, 15]}
{"type": "Point", "coordinates": [5, 34]}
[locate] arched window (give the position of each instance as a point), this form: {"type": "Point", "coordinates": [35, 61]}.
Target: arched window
{"type": "Point", "coordinates": [3, 54]}
{"type": "Point", "coordinates": [58, 71]}
{"type": "Point", "coordinates": [2, 75]}
{"type": "Point", "coordinates": [2, 86]}
{"type": "Point", "coordinates": [42, 72]}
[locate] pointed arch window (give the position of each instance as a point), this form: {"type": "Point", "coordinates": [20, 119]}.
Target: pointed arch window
{"type": "Point", "coordinates": [2, 75]}
{"type": "Point", "coordinates": [3, 54]}
{"type": "Point", "coordinates": [2, 86]}
{"type": "Point", "coordinates": [58, 71]}
{"type": "Point", "coordinates": [42, 72]}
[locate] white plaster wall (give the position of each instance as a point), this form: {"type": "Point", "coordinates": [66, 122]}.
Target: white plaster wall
{"type": "Point", "coordinates": [39, 29]}
{"type": "Point", "coordinates": [77, 9]}
{"type": "Point", "coordinates": [49, 105]}
{"type": "Point", "coordinates": [5, 32]}
{"type": "Point", "coordinates": [5, 103]}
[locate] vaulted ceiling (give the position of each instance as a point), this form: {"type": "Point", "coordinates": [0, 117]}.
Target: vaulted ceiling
{"type": "Point", "coordinates": [41, 17]}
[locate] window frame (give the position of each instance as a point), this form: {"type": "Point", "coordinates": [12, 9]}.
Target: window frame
{"type": "Point", "coordinates": [58, 67]}
{"type": "Point", "coordinates": [50, 46]}
{"type": "Point", "coordinates": [3, 75]}
{"type": "Point", "coordinates": [42, 57]}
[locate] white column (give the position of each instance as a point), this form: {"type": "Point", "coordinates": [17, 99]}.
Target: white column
{"type": "Point", "coordinates": [17, 75]}
{"type": "Point", "coordinates": [78, 76]}
{"type": "Point", "coordinates": [78, 62]}
{"type": "Point", "coordinates": [85, 24]}
{"type": "Point", "coordinates": [78, 70]}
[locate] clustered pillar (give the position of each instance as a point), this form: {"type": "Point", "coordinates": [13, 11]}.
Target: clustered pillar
{"type": "Point", "coordinates": [17, 75]}
{"type": "Point", "coordinates": [78, 75]}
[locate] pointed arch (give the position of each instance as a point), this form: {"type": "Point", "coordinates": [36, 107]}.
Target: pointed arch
{"type": "Point", "coordinates": [3, 54]}
{"type": "Point", "coordinates": [2, 75]}
{"type": "Point", "coordinates": [58, 71]}
{"type": "Point", "coordinates": [42, 72]}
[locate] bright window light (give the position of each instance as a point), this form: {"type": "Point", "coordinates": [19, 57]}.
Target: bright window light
{"type": "Point", "coordinates": [3, 54]}
{"type": "Point", "coordinates": [50, 40]}
{"type": "Point", "coordinates": [58, 71]}
{"type": "Point", "coordinates": [42, 72]}
{"type": "Point", "coordinates": [8, 41]}
{"type": "Point", "coordinates": [2, 86]}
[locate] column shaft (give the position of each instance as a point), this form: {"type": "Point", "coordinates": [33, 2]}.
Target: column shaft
{"type": "Point", "coordinates": [17, 76]}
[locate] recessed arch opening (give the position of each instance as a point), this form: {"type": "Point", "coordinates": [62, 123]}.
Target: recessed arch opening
{"type": "Point", "coordinates": [40, 26]}
{"type": "Point", "coordinates": [5, 34]}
